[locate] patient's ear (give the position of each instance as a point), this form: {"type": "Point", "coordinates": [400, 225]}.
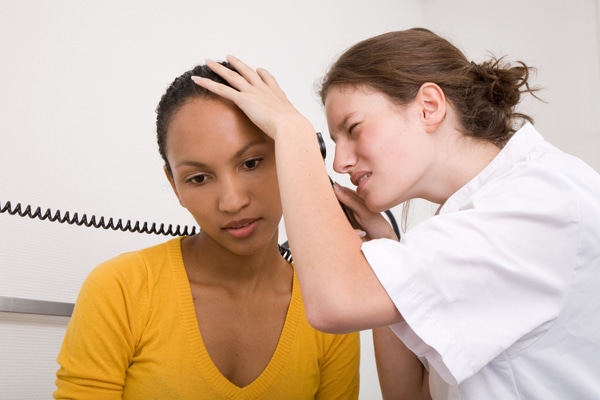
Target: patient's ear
{"type": "Point", "coordinates": [432, 102]}
{"type": "Point", "coordinates": [172, 183]}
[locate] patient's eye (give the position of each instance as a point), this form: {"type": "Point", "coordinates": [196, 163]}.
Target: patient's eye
{"type": "Point", "coordinates": [197, 179]}
{"type": "Point", "coordinates": [252, 163]}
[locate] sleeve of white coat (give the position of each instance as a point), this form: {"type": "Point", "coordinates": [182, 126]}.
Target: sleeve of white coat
{"type": "Point", "coordinates": [472, 282]}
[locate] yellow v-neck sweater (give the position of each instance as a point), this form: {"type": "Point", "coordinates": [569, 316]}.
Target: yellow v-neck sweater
{"type": "Point", "coordinates": [134, 336]}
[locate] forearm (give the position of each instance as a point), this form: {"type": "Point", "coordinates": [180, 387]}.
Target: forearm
{"type": "Point", "coordinates": [341, 292]}
{"type": "Point", "coordinates": [401, 374]}
{"type": "Point", "coordinates": [310, 205]}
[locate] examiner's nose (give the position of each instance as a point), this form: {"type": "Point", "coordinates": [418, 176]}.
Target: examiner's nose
{"type": "Point", "coordinates": [343, 159]}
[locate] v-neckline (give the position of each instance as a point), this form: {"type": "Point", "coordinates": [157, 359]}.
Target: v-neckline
{"type": "Point", "coordinates": [210, 372]}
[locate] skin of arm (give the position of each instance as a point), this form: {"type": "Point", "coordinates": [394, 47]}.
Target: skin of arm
{"type": "Point", "coordinates": [401, 375]}
{"type": "Point", "coordinates": [341, 292]}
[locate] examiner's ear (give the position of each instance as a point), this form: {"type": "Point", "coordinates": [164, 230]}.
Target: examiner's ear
{"type": "Point", "coordinates": [433, 104]}
{"type": "Point", "coordinates": [172, 183]}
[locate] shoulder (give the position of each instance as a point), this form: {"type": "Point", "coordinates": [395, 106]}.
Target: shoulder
{"type": "Point", "coordinates": [133, 267]}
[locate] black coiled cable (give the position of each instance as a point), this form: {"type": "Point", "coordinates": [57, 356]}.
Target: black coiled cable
{"type": "Point", "coordinates": [58, 216]}
{"type": "Point", "coordinates": [101, 223]}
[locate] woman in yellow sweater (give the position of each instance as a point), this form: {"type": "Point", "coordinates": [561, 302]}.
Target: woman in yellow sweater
{"type": "Point", "coordinates": [216, 315]}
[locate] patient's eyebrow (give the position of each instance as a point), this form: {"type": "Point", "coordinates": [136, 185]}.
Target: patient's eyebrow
{"type": "Point", "coordinates": [239, 153]}
{"type": "Point", "coordinates": [248, 146]}
{"type": "Point", "coordinates": [189, 163]}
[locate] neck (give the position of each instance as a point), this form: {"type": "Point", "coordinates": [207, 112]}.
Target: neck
{"type": "Point", "coordinates": [207, 261]}
{"type": "Point", "coordinates": [461, 159]}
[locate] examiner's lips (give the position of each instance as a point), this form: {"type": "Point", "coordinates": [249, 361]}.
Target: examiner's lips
{"type": "Point", "coordinates": [358, 178]}
{"type": "Point", "coordinates": [241, 229]}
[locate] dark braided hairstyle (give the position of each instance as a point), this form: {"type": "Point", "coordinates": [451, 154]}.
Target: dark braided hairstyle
{"type": "Point", "coordinates": [181, 90]}
{"type": "Point", "coordinates": [397, 63]}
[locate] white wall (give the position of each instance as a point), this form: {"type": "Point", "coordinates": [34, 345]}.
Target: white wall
{"type": "Point", "coordinates": [79, 82]}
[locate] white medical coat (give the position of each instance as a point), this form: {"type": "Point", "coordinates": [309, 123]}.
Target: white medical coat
{"type": "Point", "coordinates": [500, 291]}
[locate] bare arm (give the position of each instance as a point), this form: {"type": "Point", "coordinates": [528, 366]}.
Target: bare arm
{"type": "Point", "coordinates": [401, 374]}
{"type": "Point", "coordinates": [340, 290]}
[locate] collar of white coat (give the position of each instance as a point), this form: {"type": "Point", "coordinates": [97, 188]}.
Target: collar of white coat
{"type": "Point", "coordinates": [523, 142]}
